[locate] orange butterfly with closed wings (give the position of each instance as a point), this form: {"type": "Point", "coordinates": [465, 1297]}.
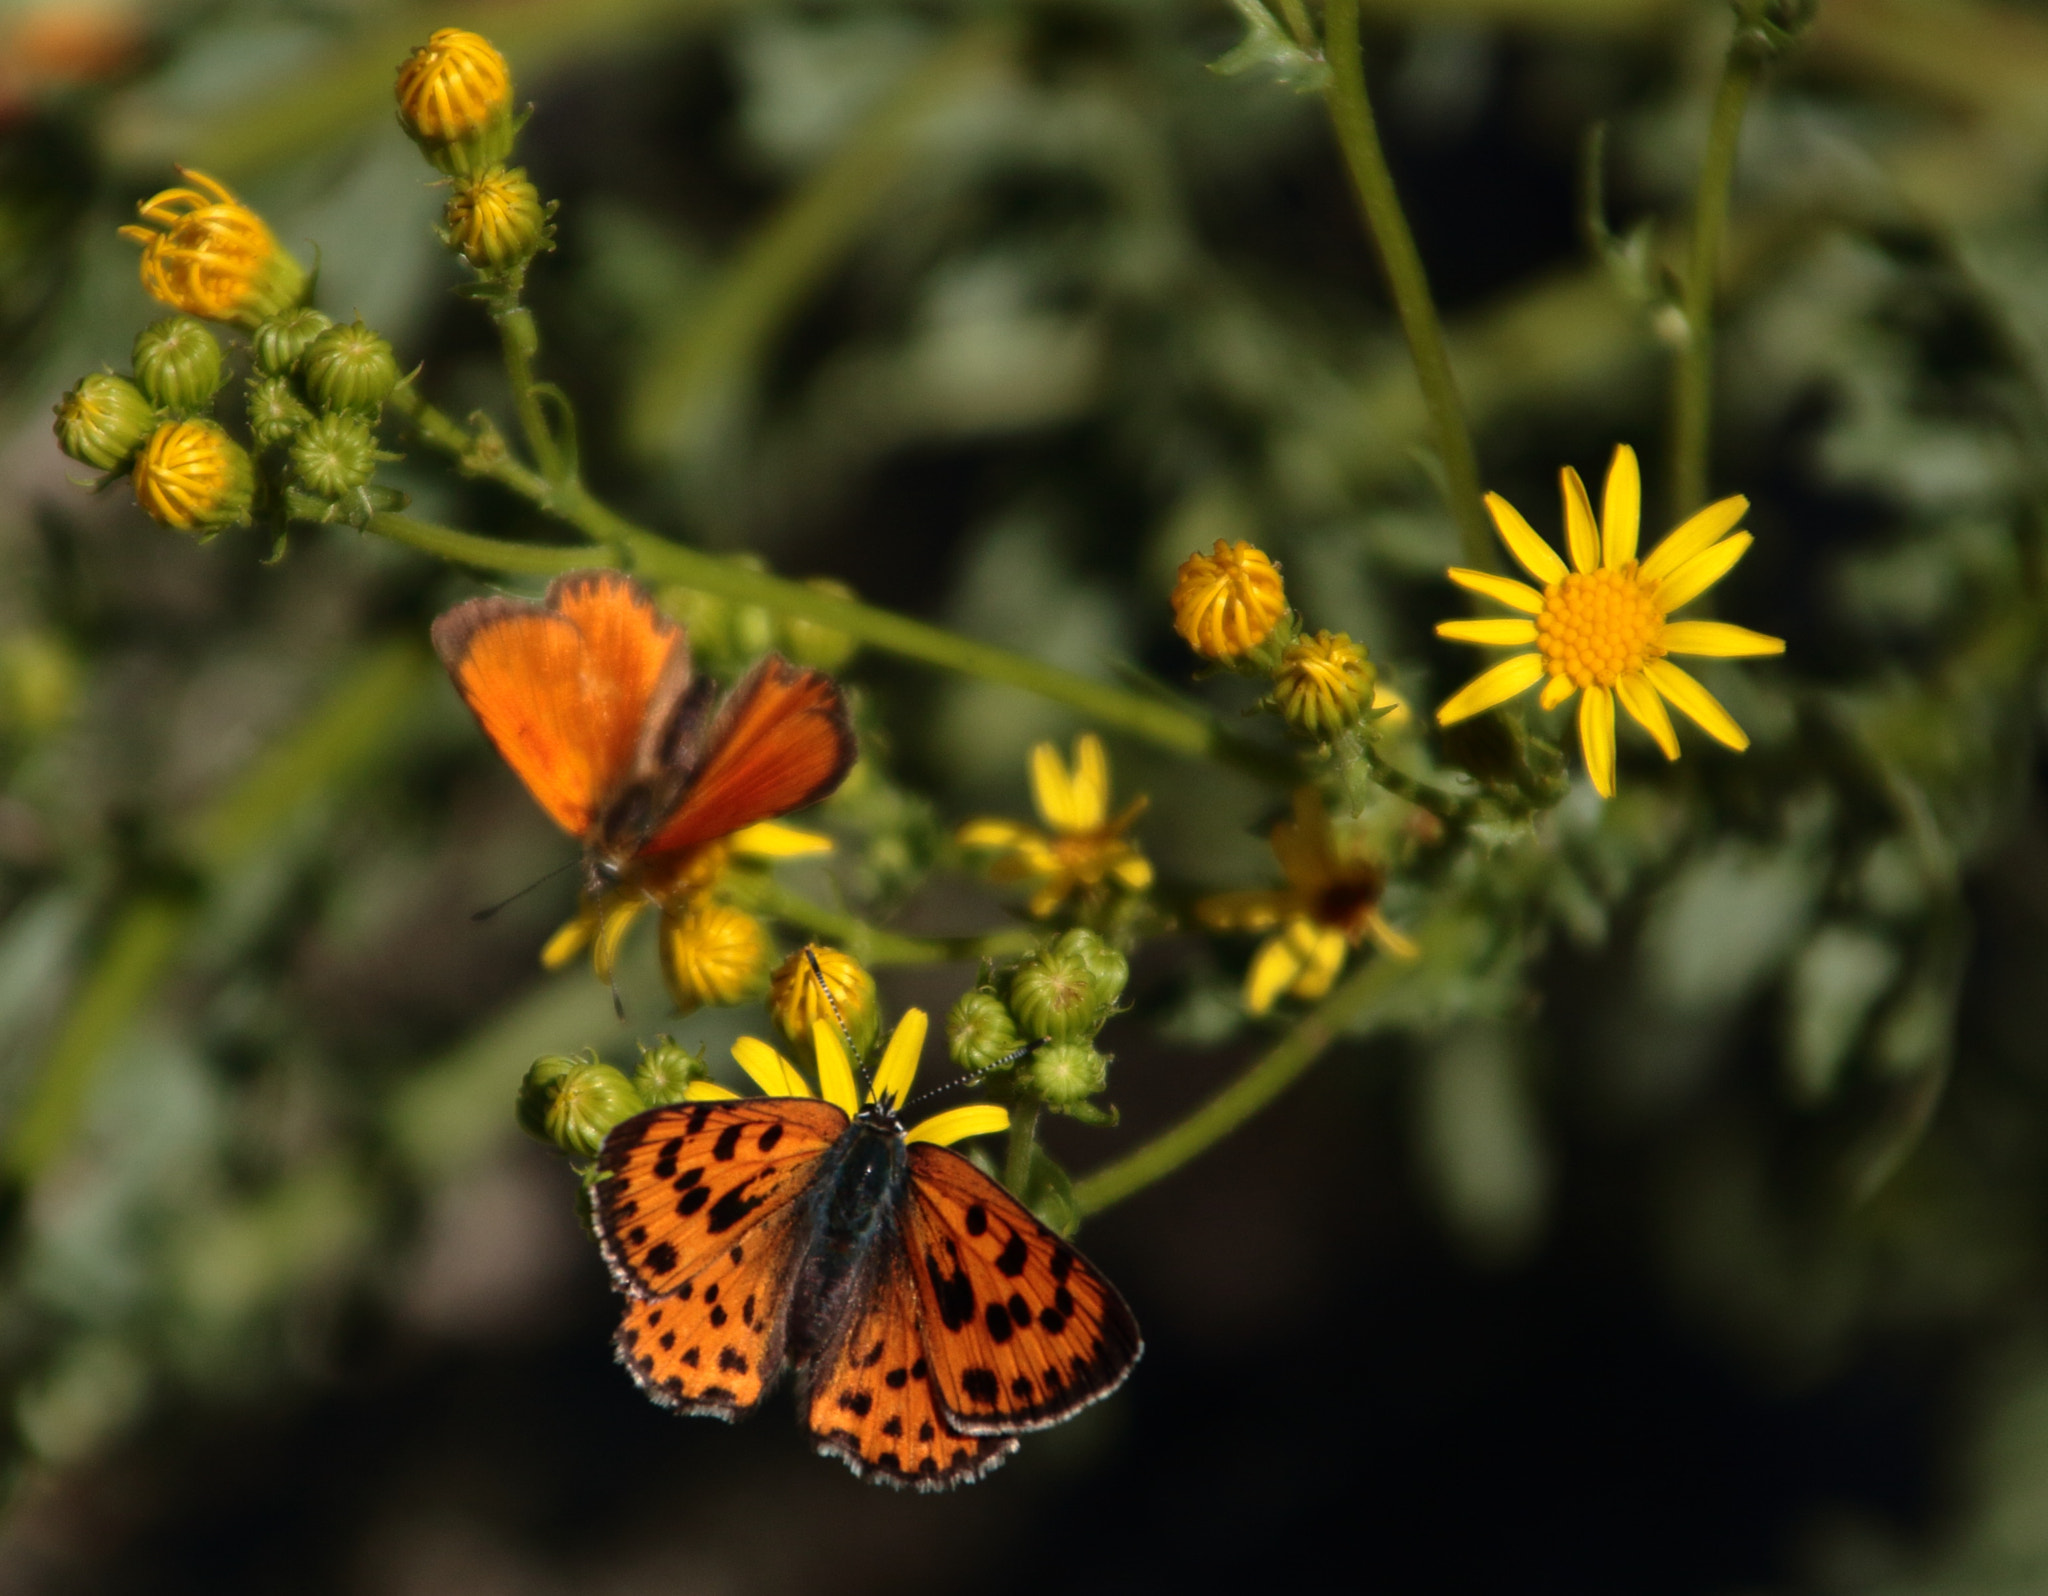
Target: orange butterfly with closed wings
{"type": "Point", "coordinates": [590, 697]}
{"type": "Point", "coordinates": [929, 1318]}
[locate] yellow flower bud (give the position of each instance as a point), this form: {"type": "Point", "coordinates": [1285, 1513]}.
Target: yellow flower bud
{"type": "Point", "coordinates": [193, 477]}
{"type": "Point", "coordinates": [496, 219]}
{"type": "Point", "coordinates": [455, 100]}
{"type": "Point", "coordinates": [209, 255]}
{"type": "Point", "coordinates": [713, 954]}
{"type": "Point", "coordinates": [1227, 603]}
{"type": "Point", "coordinates": [797, 1003]}
{"type": "Point", "coordinates": [1325, 683]}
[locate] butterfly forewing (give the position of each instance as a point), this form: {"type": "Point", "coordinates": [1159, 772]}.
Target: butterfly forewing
{"type": "Point", "coordinates": [1019, 1329]}
{"type": "Point", "coordinates": [871, 1402]}
{"type": "Point", "coordinates": [564, 688]}
{"type": "Point", "coordinates": [681, 1186]}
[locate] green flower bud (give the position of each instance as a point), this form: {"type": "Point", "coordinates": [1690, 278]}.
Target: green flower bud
{"type": "Point", "coordinates": [1067, 1073]}
{"type": "Point", "coordinates": [350, 368]}
{"type": "Point", "coordinates": [1324, 684]}
{"type": "Point", "coordinates": [666, 1072]}
{"type": "Point", "coordinates": [275, 412]}
{"type": "Point", "coordinates": [809, 643]}
{"type": "Point", "coordinates": [102, 422]}
{"type": "Point", "coordinates": [282, 340]}
{"type": "Point", "coordinates": [979, 1031]}
{"type": "Point", "coordinates": [574, 1102]}
{"type": "Point", "coordinates": [1052, 994]}
{"type": "Point", "coordinates": [1108, 969]}
{"type": "Point", "coordinates": [334, 454]}
{"type": "Point", "coordinates": [177, 362]}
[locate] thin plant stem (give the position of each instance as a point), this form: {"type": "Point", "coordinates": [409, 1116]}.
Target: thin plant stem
{"type": "Point", "coordinates": [1692, 385]}
{"type": "Point", "coordinates": [1267, 1078]}
{"type": "Point", "coordinates": [1358, 137]}
{"type": "Point", "coordinates": [520, 336]}
{"type": "Point", "coordinates": [1295, 15]}
{"type": "Point", "coordinates": [1023, 1137]}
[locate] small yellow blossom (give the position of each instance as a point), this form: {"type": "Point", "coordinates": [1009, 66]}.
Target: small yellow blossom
{"type": "Point", "coordinates": [1325, 683]}
{"type": "Point", "coordinates": [1330, 904]}
{"type": "Point", "coordinates": [799, 1003]}
{"type": "Point", "coordinates": [889, 1090]}
{"type": "Point", "coordinates": [496, 219]}
{"type": "Point", "coordinates": [193, 477]}
{"type": "Point", "coordinates": [209, 255]}
{"type": "Point", "coordinates": [1083, 850]}
{"type": "Point", "coordinates": [1600, 627]}
{"type": "Point", "coordinates": [1227, 603]}
{"type": "Point", "coordinates": [452, 86]}
{"type": "Point", "coordinates": [715, 954]}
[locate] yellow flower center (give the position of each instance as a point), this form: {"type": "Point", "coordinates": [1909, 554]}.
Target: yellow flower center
{"type": "Point", "coordinates": [1599, 626]}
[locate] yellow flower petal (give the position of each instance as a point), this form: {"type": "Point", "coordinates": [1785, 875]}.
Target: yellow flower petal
{"type": "Point", "coordinates": [769, 839]}
{"type": "Point", "coordinates": [1538, 558]}
{"type": "Point", "coordinates": [1596, 738]}
{"type": "Point", "coordinates": [1505, 589]}
{"type": "Point", "coordinates": [1274, 968]}
{"type": "Point", "coordinates": [1701, 530]}
{"type": "Point", "coordinates": [1052, 789]}
{"type": "Point", "coordinates": [571, 938]}
{"type": "Point", "coordinates": [1640, 699]}
{"type": "Point", "coordinates": [1695, 701]}
{"type": "Point", "coordinates": [1502, 633]}
{"type": "Point", "coordinates": [1556, 691]}
{"type": "Point", "coordinates": [1496, 686]}
{"type": "Point", "coordinates": [835, 1073]}
{"type": "Point", "coordinates": [1582, 536]}
{"type": "Point", "coordinates": [1133, 874]}
{"type": "Point", "coordinates": [1323, 951]}
{"type": "Point", "coordinates": [1388, 939]}
{"type": "Point", "coordinates": [619, 916]}
{"type": "Point", "coordinates": [1719, 640]}
{"type": "Point", "coordinates": [1701, 572]}
{"type": "Point", "coordinates": [1621, 508]}
{"type": "Point", "coordinates": [707, 1092]}
{"type": "Point", "coordinates": [1244, 911]}
{"type": "Point", "coordinates": [992, 834]}
{"type": "Point", "coordinates": [1091, 783]}
{"type": "Point", "coordinates": [957, 1124]}
{"type": "Point", "coordinates": [899, 1063]}
{"type": "Point", "coordinates": [768, 1069]}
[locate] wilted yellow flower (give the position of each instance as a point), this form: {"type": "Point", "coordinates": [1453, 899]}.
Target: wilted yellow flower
{"type": "Point", "coordinates": [798, 1003]}
{"type": "Point", "coordinates": [496, 219]}
{"type": "Point", "coordinates": [713, 954]}
{"type": "Point", "coordinates": [1325, 683]}
{"type": "Point", "coordinates": [1600, 627]}
{"type": "Point", "coordinates": [192, 476]}
{"type": "Point", "coordinates": [209, 255]}
{"type": "Point", "coordinates": [1228, 602]}
{"type": "Point", "coordinates": [1330, 904]}
{"type": "Point", "coordinates": [1083, 850]}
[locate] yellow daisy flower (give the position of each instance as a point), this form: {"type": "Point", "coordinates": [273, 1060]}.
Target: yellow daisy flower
{"type": "Point", "coordinates": [1600, 627]}
{"type": "Point", "coordinates": [1330, 904]}
{"type": "Point", "coordinates": [1083, 849]}
{"type": "Point", "coordinates": [889, 1090]}
{"type": "Point", "coordinates": [209, 255]}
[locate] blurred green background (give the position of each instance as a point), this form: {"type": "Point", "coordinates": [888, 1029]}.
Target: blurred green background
{"type": "Point", "coordinates": [1687, 1233]}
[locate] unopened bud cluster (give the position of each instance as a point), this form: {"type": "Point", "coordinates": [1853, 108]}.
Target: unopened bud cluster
{"type": "Point", "coordinates": [573, 1100]}
{"type": "Point", "coordinates": [1037, 1022]}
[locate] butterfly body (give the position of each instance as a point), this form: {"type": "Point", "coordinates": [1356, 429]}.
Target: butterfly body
{"type": "Point", "coordinates": [927, 1316]}
{"type": "Point", "coordinates": [590, 697]}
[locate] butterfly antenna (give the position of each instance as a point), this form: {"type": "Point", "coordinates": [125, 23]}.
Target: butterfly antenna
{"type": "Point", "coordinates": [485, 914]}
{"type": "Point", "coordinates": [1006, 1060]}
{"type": "Point", "coordinates": [832, 1003]}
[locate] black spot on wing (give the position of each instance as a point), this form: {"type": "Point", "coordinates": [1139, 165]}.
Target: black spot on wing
{"type": "Point", "coordinates": [660, 1259]}
{"type": "Point", "coordinates": [1013, 1257]}
{"type": "Point", "coordinates": [728, 1143]}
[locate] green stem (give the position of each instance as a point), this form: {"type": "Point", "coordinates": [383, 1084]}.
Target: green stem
{"type": "Point", "coordinates": [520, 336]}
{"type": "Point", "coordinates": [1023, 1136]}
{"type": "Point", "coordinates": [1295, 15]}
{"type": "Point", "coordinates": [1692, 389]}
{"type": "Point", "coordinates": [869, 944]}
{"type": "Point", "coordinates": [1242, 1098]}
{"type": "Point", "coordinates": [1358, 136]}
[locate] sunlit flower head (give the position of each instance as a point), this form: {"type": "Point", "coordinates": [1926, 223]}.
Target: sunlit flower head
{"type": "Point", "coordinates": [1084, 850]}
{"type": "Point", "coordinates": [209, 255]}
{"type": "Point", "coordinates": [714, 954]}
{"type": "Point", "coordinates": [889, 1090]}
{"type": "Point", "coordinates": [1599, 627]}
{"type": "Point", "coordinates": [496, 218]}
{"type": "Point", "coordinates": [1226, 603]}
{"type": "Point", "coordinates": [1330, 904]}
{"type": "Point", "coordinates": [453, 85]}
{"type": "Point", "coordinates": [846, 997]}
{"type": "Point", "coordinates": [1325, 683]}
{"type": "Point", "coordinates": [193, 477]}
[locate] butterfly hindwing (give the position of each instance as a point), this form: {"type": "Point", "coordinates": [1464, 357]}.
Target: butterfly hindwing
{"type": "Point", "coordinates": [564, 688]}
{"type": "Point", "coordinates": [870, 1402]}
{"type": "Point", "coordinates": [682, 1185]}
{"type": "Point", "coordinates": [1019, 1328]}
{"type": "Point", "coordinates": [780, 741]}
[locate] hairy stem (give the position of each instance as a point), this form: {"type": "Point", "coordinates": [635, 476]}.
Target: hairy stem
{"type": "Point", "coordinates": [520, 337]}
{"type": "Point", "coordinates": [1358, 136]}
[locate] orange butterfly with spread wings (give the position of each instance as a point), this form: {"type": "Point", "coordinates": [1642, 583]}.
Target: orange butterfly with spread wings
{"type": "Point", "coordinates": [590, 697]}
{"type": "Point", "coordinates": [928, 1317]}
